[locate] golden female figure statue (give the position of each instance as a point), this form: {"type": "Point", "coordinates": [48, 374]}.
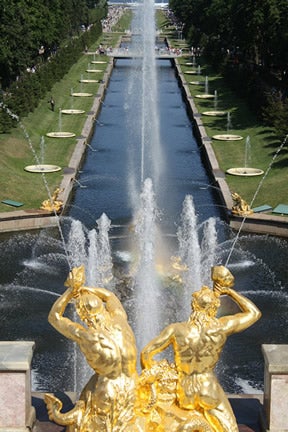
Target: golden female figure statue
{"type": "Point", "coordinates": [197, 344]}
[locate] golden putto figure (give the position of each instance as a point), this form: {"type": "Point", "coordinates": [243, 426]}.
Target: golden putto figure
{"type": "Point", "coordinates": [185, 396]}
{"type": "Point", "coordinates": [53, 204]}
{"type": "Point", "coordinates": [240, 207]}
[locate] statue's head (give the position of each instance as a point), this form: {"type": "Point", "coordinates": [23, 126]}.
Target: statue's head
{"type": "Point", "coordinates": [89, 306]}
{"type": "Point", "coordinates": [205, 300]}
{"type": "Point", "coordinates": [222, 276]}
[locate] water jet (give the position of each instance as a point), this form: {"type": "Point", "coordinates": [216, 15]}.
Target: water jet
{"type": "Point", "coordinates": [246, 171]}
{"type": "Point", "coordinates": [108, 182]}
{"type": "Point", "coordinates": [60, 133]}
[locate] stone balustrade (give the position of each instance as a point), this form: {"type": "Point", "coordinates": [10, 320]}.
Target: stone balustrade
{"type": "Point", "coordinates": [16, 411]}
{"type": "Point", "coordinates": [276, 387]}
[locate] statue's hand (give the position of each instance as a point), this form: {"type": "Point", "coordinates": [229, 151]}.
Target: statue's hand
{"type": "Point", "coordinates": [220, 289]}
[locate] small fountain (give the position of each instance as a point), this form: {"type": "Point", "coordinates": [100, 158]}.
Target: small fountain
{"type": "Point", "coordinates": [71, 110]}
{"type": "Point", "coordinates": [206, 94]}
{"type": "Point", "coordinates": [60, 133]}
{"type": "Point", "coordinates": [228, 136]}
{"type": "Point", "coordinates": [82, 80]}
{"type": "Point", "coordinates": [215, 100]}
{"type": "Point", "coordinates": [80, 94]}
{"type": "Point", "coordinates": [216, 112]}
{"type": "Point", "coordinates": [246, 171]}
{"type": "Point", "coordinates": [41, 167]}
{"type": "Point", "coordinates": [90, 70]}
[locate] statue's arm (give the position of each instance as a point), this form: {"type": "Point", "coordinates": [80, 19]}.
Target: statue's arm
{"type": "Point", "coordinates": [240, 321]}
{"type": "Point", "coordinates": [158, 344]}
{"type": "Point", "coordinates": [63, 324]}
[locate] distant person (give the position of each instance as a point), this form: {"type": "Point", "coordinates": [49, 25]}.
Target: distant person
{"type": "Point", "coordinates": [52, 103]}
{"type": "Point", "coordinates": [197, 344]}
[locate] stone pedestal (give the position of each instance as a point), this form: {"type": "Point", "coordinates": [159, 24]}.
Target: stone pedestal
{"type": "Point", "coordinates": [276, 387]}
{"type": "Point", "coordinates": [16, 413]}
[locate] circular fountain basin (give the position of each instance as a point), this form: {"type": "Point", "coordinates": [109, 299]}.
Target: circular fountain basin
{"type": "Point", "coordinates": [41, 168]}
{"type": "Point", "coordinates": [205, 96]}
{"type": "Point", "coordinates": [89, 81]}
{"type": "Point", "coordinates": [214, 113]}
{"type": "Point", "coordinates": [98, 62]}
{"type": "Point", "coordinates": [72, 111]}
{"type": "Point", "coordinates": [245, 172]}
{"type": "Point", "coordinates": [227, 137]}
{"type": "Point", "coordinates": [94, 70]}
{"type": "Point", "coordinates": [81, 94]}
{"type": "Point", "coordinates": [60, 134]}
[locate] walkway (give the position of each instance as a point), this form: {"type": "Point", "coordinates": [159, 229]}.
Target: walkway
{"type": "Point", "coordinates": [125, 53]}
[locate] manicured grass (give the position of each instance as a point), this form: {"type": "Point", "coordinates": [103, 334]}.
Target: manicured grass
{"type": "Point", "coordinates": [263, 142]}
{"type": "Point", "coordinates": [19, 147]}
{"type": "Point", "coordinates": [24, 145]}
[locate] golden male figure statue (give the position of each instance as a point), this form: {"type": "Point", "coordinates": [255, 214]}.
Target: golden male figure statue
{"type": "Point", "coordinates": [197, 344]}
{"type": "Point", "coordinates": [108, 343]}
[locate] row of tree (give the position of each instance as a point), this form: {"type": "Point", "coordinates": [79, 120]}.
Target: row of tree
{"type": "Point", "coordinates": [249, 40]}
{"type": "Point", "coordinates": [32, 30]}
{"type": "Point", "coordinates": [40, 40]}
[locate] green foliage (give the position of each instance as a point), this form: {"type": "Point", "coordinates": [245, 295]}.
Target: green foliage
{"type": "Point", "coordinates": [247, 41]}
{"type": "Point", "coordinates": [37, 49]}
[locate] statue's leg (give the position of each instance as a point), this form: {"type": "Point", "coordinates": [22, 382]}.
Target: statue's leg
{"type": "Point", "coordinates": [222, 417]}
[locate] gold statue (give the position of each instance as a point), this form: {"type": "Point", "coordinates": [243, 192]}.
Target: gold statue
{"type": "Point", "coordinates": [165, 397]}
{"type": "Point", "coordinates": [53, 204]}
{"type": "Point", "coordinates": [197, 344]}
{"type": "Point", "coordinates": [108, 343]}
{"type": "Point", "coordinates": [240, 207]}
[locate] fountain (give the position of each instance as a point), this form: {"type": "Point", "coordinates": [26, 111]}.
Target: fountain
{"type": "Point", "coordinates": [246, 171]}
{"type": "Point", "coordinates": [60, 133]}
{"type": "Point", "coordinates": [72, 110]}
{"type": "Point", "coordinates": [45, 254]}
{"type": "Point", "coordinates": [80, 94]}
{"type": "Point", "coordinates": [215, 112]}
{"type": "Point", "coordinates": [91, 70]}
{"type": "Point", "coordinates": [228, 136]}
{"type": "Point", "coordinates": [82, 80]}
{"type": "Point", "coordinates": [41, 167]}
{"type": "Point", "coordinates": [206, 94]}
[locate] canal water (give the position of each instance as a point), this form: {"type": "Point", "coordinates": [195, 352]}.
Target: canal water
{"type": "Point", "coordinates": [33, 266]}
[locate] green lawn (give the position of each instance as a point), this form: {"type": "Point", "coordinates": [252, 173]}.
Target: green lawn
{"type": "Point", "coordinates": [24, 145]}
{"type": "Point", "coordinates": [263, 142]}
{"type": "Point", "coordinates": [19, 147]}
